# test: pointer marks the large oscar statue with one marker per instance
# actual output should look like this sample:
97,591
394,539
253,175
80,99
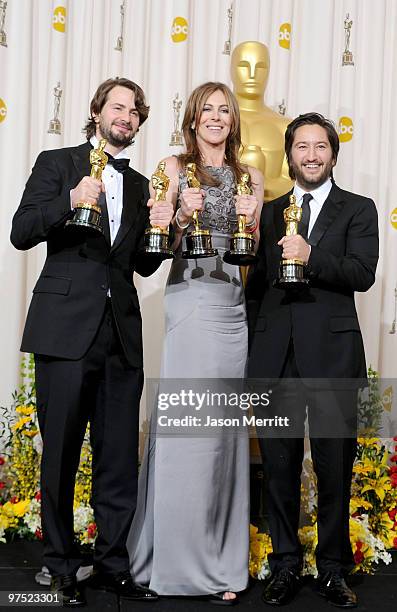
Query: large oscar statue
262,129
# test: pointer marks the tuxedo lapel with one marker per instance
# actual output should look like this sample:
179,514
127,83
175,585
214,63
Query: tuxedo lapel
81,159
329,211
132,196
279,222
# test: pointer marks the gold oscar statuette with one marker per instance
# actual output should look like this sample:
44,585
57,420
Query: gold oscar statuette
242,242
198,241
176,136
156,237
120,40
291,271
55,124
347,57
88,216
228,43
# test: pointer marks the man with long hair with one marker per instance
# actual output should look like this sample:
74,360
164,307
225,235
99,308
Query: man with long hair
84,328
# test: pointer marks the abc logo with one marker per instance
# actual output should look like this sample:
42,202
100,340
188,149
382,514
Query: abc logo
180,29
387,398
284,35
345,129
393,216
3,110
59,19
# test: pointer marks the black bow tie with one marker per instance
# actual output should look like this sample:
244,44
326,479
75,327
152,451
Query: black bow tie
120,165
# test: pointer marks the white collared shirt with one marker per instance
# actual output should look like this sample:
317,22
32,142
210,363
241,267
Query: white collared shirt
319,196
113,181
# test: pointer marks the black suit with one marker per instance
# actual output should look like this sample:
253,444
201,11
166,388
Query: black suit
88,352
312,335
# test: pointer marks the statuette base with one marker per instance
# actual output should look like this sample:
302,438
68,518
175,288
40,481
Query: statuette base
157,243
291,275
241,250
199,244
86,217
54,127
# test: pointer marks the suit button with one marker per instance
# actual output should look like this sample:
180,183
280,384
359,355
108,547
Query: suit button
104,287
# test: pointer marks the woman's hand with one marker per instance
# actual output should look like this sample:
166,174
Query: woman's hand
247,205
191,199
161,213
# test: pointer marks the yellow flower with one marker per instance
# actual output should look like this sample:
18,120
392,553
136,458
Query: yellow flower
20,424
369,442
24,409
4,522
31,433
21,507
358,502
379,486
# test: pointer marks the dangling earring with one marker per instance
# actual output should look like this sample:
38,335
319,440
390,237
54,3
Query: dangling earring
193,126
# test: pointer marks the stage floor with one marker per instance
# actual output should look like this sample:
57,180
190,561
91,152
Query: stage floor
20,560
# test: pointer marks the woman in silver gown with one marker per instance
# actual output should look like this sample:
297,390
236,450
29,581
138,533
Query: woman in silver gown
190,534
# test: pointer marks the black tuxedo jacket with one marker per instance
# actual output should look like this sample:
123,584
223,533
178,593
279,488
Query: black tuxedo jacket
322,321
70,295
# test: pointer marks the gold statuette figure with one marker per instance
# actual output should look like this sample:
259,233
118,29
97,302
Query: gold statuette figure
242,242
176,136
291,271
55,124
88,216
262,129
156,237
198,241
347,58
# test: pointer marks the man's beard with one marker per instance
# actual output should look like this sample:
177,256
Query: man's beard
116,140
312,182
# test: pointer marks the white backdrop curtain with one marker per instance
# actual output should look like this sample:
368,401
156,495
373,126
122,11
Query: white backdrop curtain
171,46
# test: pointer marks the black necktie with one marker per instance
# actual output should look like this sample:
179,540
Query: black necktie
120,165
304,222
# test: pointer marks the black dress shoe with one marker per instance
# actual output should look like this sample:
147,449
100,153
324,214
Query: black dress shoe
123,585
335,590
68,591
282,587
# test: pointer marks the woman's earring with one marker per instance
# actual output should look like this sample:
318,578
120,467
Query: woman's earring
193,126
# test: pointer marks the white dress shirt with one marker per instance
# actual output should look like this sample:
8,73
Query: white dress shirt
319,196
113,181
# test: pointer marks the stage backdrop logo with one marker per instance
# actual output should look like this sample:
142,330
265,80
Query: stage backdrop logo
3,110
59,19
393,216
284,35
180,29
345,129
387,398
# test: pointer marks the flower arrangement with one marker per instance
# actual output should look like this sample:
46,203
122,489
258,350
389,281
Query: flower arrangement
20,498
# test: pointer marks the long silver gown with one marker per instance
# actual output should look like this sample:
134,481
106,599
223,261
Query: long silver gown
190,534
